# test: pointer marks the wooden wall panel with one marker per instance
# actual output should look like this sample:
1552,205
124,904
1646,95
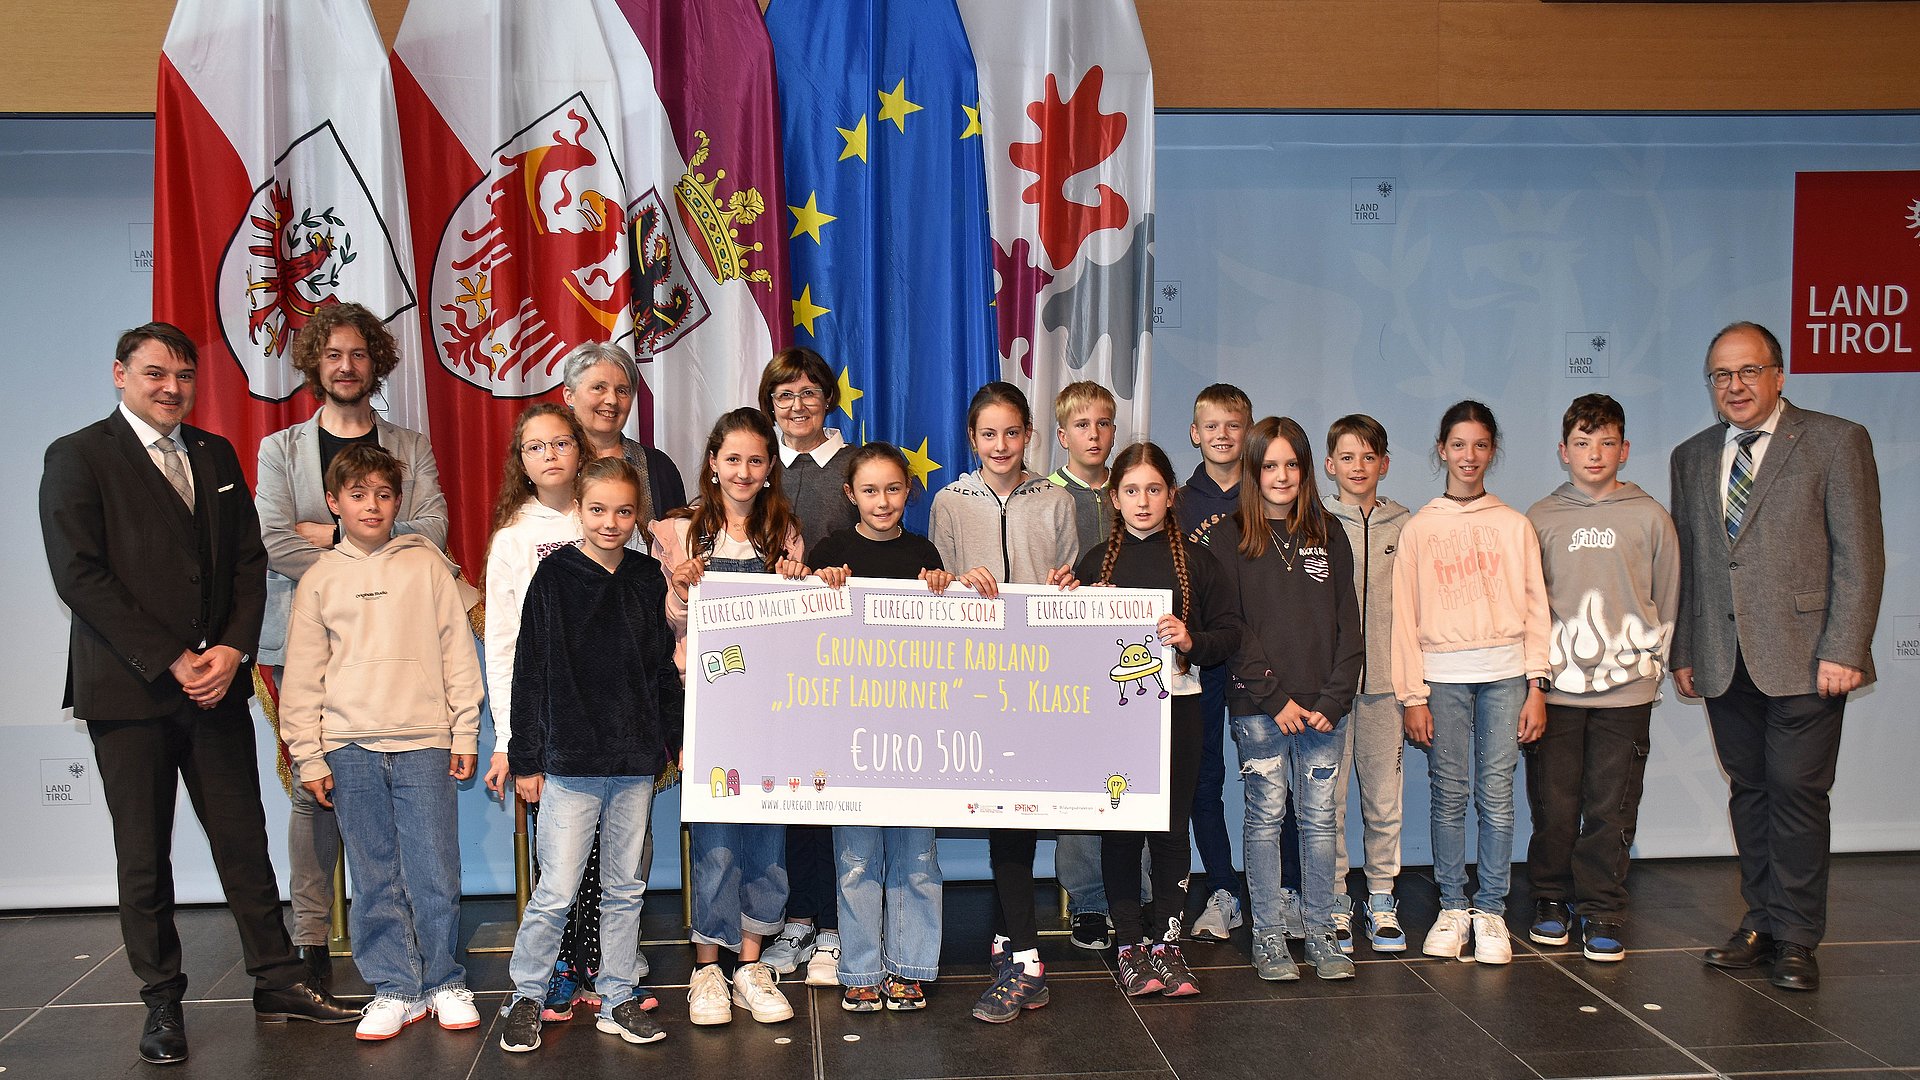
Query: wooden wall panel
100,56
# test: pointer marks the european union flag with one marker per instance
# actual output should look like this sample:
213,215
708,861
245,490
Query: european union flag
892,261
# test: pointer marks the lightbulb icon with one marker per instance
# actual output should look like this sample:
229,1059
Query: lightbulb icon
1116,787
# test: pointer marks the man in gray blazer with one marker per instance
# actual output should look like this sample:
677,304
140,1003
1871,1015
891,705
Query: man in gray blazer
345,354
1778,510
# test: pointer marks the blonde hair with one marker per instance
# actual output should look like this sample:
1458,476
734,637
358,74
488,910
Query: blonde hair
1079,395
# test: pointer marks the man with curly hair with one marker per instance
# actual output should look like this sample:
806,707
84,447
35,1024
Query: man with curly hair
346,354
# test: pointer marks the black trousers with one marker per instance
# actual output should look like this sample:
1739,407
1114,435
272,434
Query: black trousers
141,764
1585,776
811,877
1011,852
1780,755
1169,857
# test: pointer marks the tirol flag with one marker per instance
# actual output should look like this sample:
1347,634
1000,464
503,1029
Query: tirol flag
510,115
887,208
705,205
1067,103
278,191
1856,271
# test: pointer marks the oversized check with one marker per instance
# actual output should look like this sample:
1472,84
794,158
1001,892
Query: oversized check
884,704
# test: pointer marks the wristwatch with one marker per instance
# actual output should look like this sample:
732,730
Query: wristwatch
1542,684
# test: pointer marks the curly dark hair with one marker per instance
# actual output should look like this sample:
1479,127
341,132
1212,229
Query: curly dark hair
311,342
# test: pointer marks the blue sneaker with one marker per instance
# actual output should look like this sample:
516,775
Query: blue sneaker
561,990
1383,924
1600,940
1552,921
1018,990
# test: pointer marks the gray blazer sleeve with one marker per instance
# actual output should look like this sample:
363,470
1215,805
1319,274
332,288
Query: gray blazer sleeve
425,511
1858,565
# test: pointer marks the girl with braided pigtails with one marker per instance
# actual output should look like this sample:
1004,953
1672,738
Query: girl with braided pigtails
1143,552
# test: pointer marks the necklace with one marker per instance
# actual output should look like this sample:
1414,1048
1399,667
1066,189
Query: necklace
1287,555
1462,499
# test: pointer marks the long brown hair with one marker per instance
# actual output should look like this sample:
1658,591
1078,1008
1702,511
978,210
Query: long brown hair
1131,457
1307,521
770,522
515,486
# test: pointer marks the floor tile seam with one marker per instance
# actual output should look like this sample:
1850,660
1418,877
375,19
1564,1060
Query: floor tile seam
1883,1067
1203,999
1152,1040
1478,1026
1631,1015
819,1036
67,989
1752,986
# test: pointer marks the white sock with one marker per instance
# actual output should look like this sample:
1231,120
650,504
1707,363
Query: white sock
1000,943
1028,959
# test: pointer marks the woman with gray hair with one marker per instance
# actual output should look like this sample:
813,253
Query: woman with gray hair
601,378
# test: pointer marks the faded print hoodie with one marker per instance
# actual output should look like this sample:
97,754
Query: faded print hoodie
1467,595
1612,569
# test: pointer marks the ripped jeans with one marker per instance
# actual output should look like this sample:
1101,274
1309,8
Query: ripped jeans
890,903
1271,764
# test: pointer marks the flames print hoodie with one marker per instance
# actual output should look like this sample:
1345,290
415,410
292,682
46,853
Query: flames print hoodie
1613,579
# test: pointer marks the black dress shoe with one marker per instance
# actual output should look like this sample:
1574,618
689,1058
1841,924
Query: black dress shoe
164,1040
300,1002
1794,968
318,964
1743,950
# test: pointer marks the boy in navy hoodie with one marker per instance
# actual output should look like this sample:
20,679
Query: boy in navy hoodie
1612,563
1221,414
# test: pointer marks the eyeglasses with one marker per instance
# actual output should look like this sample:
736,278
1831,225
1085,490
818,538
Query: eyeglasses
561,447
809,397
1749,375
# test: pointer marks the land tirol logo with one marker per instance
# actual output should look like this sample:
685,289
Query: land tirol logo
535,259
1856,272
311,235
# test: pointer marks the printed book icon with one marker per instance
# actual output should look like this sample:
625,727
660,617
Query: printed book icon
723,662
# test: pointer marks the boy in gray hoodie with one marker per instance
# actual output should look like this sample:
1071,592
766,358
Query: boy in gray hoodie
1356,461
1612,563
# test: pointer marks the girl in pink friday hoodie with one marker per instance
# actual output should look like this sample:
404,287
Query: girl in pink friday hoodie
1470,632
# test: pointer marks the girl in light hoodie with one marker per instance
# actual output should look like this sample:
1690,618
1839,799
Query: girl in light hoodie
1470,632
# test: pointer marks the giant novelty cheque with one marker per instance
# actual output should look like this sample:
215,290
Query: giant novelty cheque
882,703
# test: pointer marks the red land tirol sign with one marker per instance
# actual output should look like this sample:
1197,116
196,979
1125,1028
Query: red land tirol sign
1856,272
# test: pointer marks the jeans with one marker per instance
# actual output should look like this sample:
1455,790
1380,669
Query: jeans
1371,758
1209,809
1076,865
739,881
398,822
1476,748
1584,779
1272,764
573,810
890,895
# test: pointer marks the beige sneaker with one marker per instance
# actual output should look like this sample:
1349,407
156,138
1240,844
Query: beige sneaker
823,968
1491,945
756,988
707,999
1450,935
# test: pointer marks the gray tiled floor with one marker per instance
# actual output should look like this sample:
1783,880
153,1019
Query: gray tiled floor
68,1007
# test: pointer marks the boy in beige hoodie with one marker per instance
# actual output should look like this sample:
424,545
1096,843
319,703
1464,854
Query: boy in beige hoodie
380,709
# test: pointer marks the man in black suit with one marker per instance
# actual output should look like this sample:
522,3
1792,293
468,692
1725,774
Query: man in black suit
155,547
1782,560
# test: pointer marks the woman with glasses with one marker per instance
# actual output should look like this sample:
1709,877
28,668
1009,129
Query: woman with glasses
600,380
797,392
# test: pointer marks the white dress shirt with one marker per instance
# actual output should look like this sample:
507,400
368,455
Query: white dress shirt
148,435
1731,448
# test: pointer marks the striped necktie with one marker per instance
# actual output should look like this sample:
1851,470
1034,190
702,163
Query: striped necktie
175,469
1740,483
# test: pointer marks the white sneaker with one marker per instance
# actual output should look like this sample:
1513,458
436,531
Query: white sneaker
1450,934
793,947
707,998
383,1017
823,969
454,1006
1343,923
1293,920
1491,944
1218,918
641,969
755,988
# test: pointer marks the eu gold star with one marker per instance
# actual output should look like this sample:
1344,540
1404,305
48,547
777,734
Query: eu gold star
808,219
849,395
856,138
805,311
920,464
973,121
895,106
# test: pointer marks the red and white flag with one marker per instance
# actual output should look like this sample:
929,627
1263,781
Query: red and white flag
510,116
278,190
702,130
1066,101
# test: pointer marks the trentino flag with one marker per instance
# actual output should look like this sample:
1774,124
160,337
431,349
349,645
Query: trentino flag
1067,102
278,191
701,125
510,113
886,198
